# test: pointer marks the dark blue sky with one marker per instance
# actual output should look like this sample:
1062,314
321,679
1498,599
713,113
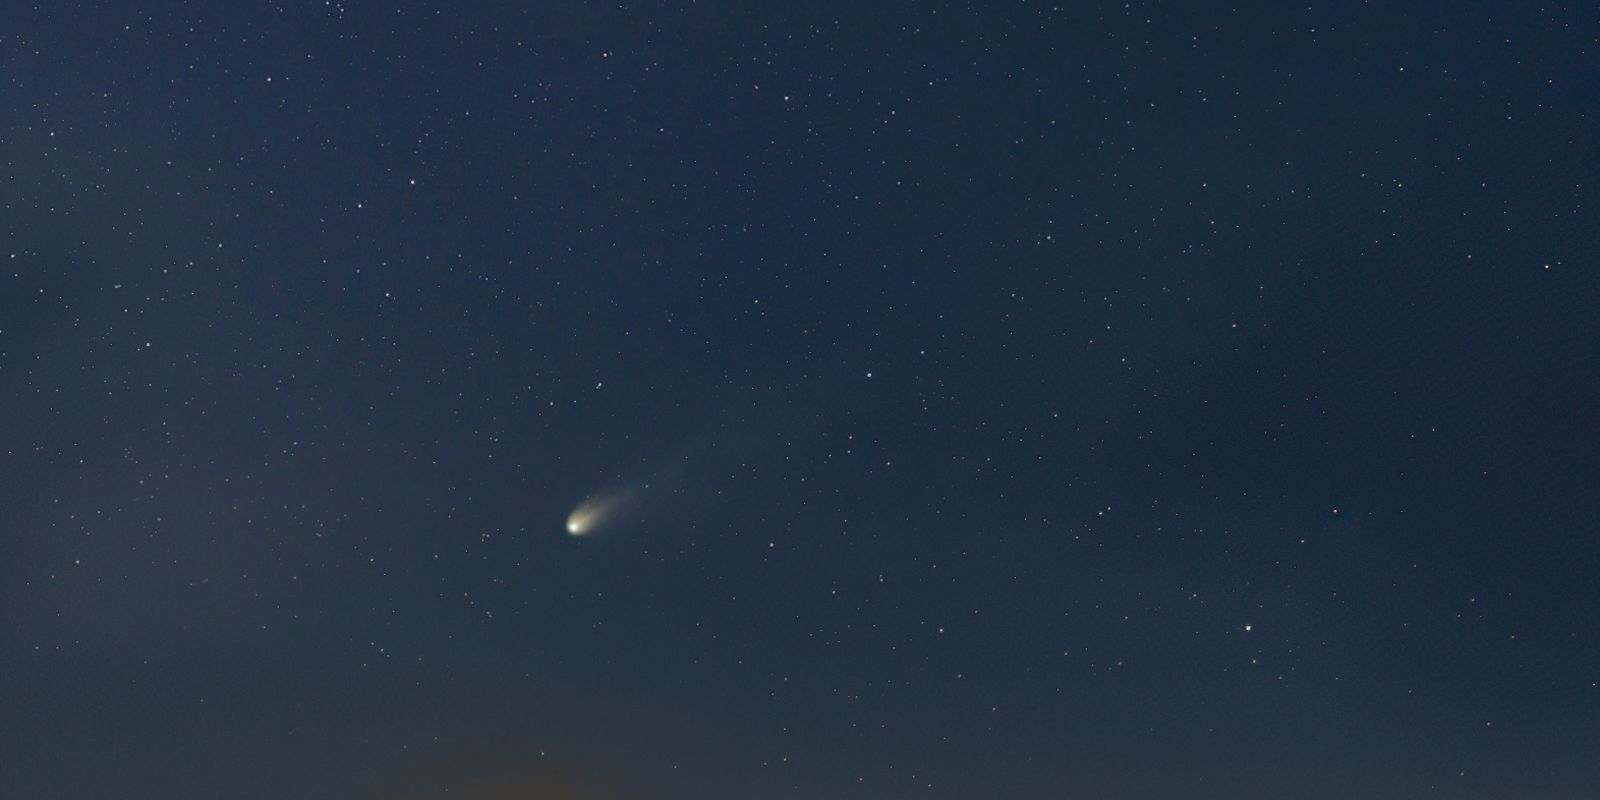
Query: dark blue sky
983,400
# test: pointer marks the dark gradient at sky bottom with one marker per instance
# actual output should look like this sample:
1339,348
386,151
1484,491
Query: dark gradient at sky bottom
1013,399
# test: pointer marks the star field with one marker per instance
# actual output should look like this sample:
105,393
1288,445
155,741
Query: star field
874,400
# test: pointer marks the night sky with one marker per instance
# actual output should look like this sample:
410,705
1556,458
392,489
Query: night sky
799,400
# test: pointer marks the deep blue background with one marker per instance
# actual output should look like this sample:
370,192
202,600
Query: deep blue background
1017,400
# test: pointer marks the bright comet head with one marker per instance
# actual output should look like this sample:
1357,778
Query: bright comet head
579,522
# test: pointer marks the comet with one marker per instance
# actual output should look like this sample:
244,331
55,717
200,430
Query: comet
592,513
657,490
580,521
